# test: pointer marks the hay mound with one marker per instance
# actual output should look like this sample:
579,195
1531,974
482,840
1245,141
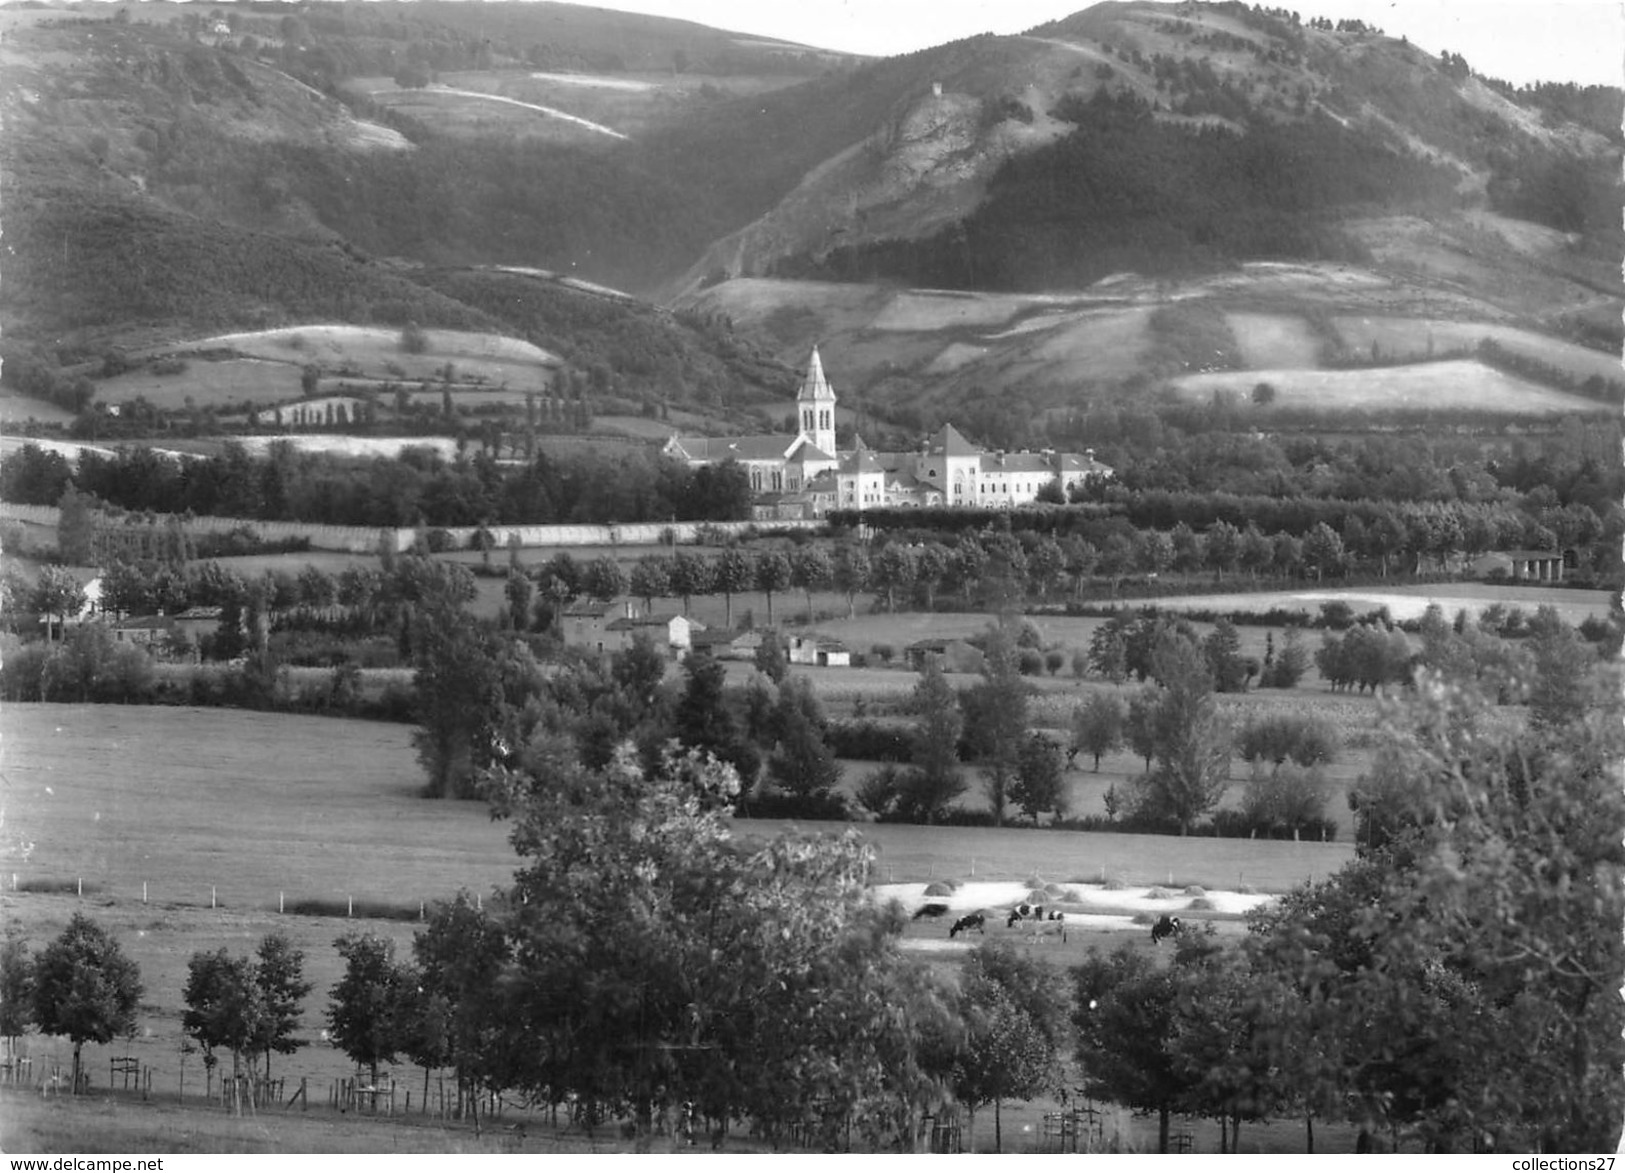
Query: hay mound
1196,890
940,888
1159,893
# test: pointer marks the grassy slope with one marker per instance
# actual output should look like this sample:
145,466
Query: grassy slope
1451,386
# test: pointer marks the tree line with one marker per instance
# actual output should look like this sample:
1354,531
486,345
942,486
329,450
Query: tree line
587,484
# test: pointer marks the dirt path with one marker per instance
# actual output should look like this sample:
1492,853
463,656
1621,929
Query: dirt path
594,126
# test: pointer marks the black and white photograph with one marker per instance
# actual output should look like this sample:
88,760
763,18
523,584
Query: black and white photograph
688,577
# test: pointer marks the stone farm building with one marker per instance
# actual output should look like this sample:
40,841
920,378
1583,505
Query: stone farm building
612,627
804,475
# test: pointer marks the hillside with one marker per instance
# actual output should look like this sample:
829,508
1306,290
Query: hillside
159,189
171,175
1177,137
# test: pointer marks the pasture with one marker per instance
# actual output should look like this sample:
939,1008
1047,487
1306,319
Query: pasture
1274,340
1416,338
1462,385
237,808
629,103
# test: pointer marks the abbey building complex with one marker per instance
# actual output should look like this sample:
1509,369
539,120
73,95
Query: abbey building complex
805,475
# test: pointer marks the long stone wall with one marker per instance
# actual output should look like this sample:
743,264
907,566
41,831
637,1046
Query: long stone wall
364,540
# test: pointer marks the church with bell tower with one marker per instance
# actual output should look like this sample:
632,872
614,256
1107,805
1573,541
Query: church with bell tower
816,404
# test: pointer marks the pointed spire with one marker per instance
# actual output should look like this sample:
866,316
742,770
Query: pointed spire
815,385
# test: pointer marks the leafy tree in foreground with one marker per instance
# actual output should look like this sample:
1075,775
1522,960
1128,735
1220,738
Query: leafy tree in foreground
85,988
364,1012
1015,1009
279,979
1124,1014
1469,962
223,1007
655,961
462,956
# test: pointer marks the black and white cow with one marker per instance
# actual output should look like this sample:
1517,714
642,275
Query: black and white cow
1024,911
1166,926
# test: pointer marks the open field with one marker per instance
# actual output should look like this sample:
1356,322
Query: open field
1455,385
1418,337
1409,601
628,103
1274,340
243,806
218,383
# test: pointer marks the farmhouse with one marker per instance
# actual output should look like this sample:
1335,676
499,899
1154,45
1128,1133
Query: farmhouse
672,633
148,631
950,655
727,645
805,475
819,651
603,627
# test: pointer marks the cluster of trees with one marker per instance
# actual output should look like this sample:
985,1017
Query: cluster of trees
581,484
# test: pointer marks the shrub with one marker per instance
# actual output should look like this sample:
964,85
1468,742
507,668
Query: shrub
877,792
169,365
373,909
1286,800
1306,739
777,804
885,653
1337,615
22,672
1032,662
413,339
870,741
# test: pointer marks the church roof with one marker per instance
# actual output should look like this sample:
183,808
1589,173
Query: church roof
806,451
949,442
1016,462
720,448
860,460
815,386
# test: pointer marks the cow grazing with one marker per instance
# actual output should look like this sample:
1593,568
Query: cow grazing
966,923
1024,912
1055,928
933,911
1166,926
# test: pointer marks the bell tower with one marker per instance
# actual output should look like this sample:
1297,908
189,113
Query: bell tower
815,406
